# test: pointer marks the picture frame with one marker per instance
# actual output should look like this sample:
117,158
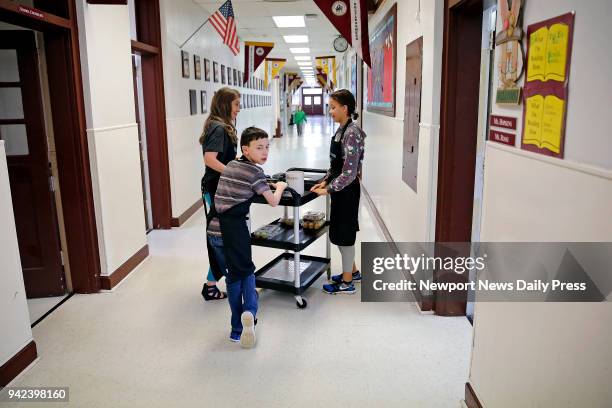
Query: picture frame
381,77
215,71
206,69
229,76
185,63
235,75
197,67
193,102
223,74
204,102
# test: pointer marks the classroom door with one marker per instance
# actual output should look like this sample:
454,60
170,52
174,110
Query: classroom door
312,101
23,130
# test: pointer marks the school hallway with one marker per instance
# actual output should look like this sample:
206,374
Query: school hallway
159,344
475,131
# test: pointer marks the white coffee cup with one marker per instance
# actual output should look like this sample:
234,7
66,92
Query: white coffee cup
295,180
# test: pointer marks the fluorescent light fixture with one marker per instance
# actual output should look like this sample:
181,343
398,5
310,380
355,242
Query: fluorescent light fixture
289,21
303,50
303,58
304,63
295,39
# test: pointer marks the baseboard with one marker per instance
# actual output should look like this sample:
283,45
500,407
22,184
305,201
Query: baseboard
18,363
424,303
471,400
177,222
112,280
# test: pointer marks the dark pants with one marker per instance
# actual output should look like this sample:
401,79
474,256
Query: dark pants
242,297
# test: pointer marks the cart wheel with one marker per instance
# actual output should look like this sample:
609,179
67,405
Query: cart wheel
301,305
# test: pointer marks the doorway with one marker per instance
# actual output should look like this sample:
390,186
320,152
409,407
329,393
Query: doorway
458,137
30,167
312,101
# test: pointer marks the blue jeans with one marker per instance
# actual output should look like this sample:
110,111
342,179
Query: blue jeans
242,297
217,244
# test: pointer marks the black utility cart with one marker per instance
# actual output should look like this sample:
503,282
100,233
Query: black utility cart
280,273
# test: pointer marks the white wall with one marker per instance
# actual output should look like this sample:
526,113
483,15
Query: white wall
104,38
552,354
180,18
14,316
409,216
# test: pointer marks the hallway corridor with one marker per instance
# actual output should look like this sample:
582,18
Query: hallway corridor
154,342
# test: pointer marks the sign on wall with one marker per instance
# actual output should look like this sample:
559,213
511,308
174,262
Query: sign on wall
509,53
381,75
548,63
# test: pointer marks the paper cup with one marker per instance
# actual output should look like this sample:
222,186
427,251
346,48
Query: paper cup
295,180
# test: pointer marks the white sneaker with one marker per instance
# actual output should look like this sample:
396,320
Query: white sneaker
247,338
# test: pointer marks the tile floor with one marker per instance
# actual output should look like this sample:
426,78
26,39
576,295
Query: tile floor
154,342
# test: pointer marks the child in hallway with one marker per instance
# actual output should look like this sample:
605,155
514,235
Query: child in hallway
239,183
299,118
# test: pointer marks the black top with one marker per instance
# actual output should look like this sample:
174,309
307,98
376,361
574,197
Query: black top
216,140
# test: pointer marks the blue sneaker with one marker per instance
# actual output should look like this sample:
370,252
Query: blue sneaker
340,288
338,278
234,336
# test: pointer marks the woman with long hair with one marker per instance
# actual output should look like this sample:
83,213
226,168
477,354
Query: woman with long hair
219,140
342,183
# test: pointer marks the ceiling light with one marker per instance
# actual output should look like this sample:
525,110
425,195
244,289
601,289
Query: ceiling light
303,58
295,39
303,50
289,21
304,63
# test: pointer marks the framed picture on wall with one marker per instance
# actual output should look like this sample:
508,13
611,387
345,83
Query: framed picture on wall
381,76
206,70
204,101
215,71
235,75
222,74
185,64
230,78
197,67
193,102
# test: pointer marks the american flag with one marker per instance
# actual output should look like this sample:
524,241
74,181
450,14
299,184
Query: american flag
224,23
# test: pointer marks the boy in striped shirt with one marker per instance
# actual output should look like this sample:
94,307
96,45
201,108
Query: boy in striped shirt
241,180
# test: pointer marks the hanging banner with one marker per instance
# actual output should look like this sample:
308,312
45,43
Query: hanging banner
273,67
254,55
328,64
322,78
350,17
291,80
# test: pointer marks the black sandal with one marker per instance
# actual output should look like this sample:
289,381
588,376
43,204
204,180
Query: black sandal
212,293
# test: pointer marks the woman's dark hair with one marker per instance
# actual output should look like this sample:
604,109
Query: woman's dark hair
221,111
250,134
345,97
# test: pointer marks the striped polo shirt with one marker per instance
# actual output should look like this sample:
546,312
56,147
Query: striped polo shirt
240,181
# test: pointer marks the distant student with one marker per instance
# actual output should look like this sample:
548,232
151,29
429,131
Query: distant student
299,118
239,183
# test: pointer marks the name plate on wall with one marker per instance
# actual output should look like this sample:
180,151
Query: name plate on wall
505,122
502,137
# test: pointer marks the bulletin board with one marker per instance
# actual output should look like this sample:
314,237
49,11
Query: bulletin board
549,50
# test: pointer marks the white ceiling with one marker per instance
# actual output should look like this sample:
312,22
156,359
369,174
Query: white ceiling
254,22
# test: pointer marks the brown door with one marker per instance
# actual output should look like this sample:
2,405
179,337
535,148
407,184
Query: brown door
412,112
312,101
23,131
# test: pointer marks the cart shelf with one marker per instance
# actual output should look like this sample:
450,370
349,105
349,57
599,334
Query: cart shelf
285,239
279,273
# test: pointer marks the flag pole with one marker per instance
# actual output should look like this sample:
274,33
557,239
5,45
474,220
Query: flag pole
195,32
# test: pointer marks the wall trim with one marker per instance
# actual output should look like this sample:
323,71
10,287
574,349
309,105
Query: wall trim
112,280
181,219
424,303
111,128
471,400
582,168
16,364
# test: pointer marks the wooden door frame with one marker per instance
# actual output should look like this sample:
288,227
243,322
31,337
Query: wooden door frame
148,45
449,135
69,126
